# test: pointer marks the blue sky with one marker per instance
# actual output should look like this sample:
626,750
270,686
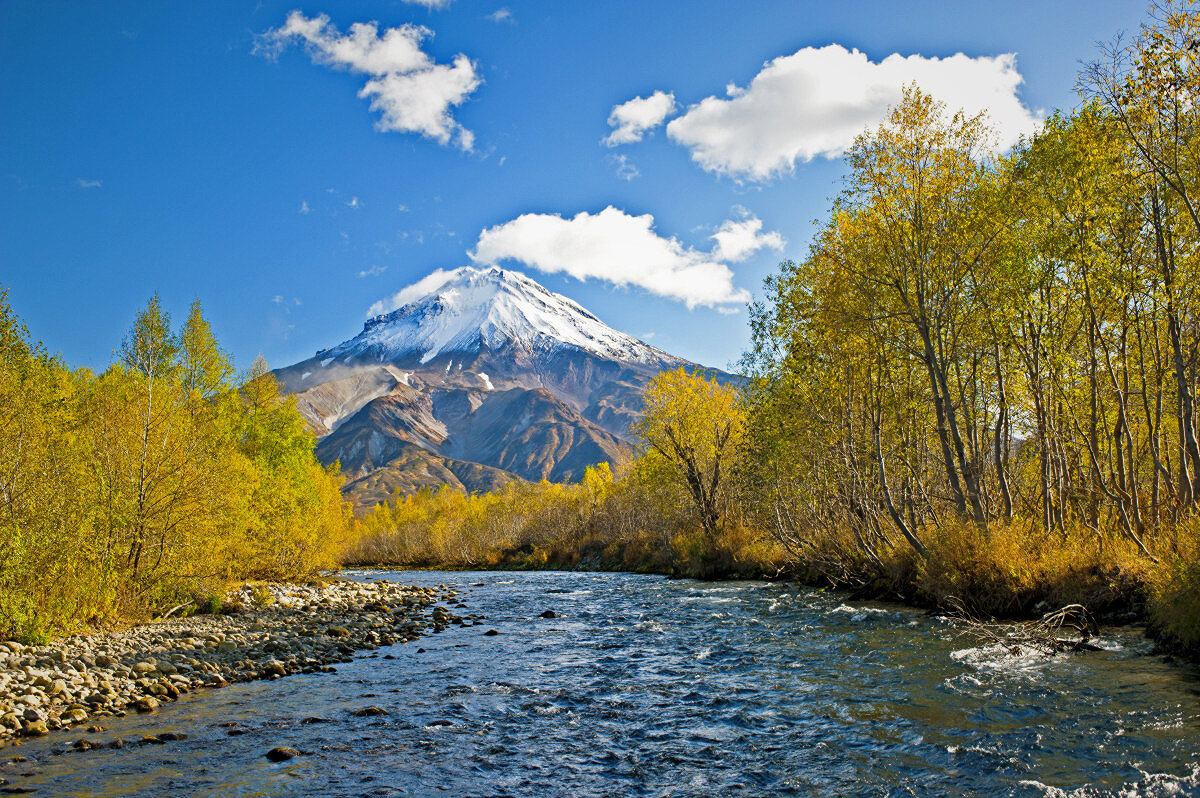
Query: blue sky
229,151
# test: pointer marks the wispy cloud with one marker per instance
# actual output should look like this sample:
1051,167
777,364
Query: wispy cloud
374,271
304,207
426,285
816,101
627,251
354,203
411,92
502,15
84,183
625,168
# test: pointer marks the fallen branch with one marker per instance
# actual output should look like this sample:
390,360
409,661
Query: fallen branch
1070,628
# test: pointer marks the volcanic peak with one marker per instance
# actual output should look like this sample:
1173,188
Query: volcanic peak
474,309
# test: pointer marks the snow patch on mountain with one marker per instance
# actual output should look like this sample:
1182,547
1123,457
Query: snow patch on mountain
476,309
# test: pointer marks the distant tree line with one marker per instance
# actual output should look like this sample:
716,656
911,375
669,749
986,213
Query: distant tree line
672,510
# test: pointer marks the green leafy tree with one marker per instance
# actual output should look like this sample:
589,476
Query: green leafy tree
205,368
150,348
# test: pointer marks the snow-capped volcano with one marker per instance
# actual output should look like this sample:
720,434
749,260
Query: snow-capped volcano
493,309
481,377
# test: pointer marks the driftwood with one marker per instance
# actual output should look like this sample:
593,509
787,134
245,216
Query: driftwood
1070,628
176,609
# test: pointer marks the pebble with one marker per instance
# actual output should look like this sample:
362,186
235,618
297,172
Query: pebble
296,629
282,754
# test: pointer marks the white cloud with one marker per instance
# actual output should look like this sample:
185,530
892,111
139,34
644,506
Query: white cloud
431,4
411,92
634,118
623,250
502,15
304,207
426,285
817,100
374,271
354,203
82,183
738,240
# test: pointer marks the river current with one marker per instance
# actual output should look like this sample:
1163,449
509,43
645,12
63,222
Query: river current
645,686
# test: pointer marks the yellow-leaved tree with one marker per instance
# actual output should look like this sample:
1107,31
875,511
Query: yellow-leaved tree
298,519
693,427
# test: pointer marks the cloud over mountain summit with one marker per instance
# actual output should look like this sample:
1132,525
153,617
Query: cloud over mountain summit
625,250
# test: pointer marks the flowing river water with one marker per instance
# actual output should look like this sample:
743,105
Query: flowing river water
647,686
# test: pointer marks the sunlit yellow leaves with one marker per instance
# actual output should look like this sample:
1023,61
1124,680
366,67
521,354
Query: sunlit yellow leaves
152,481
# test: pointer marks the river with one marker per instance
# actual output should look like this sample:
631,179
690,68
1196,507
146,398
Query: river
645,686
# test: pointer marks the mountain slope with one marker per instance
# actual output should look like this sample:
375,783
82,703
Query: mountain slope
486,378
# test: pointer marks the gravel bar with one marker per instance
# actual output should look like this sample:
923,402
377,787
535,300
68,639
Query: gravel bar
274,630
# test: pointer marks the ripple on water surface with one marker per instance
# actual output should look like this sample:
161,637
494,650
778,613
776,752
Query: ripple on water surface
647,686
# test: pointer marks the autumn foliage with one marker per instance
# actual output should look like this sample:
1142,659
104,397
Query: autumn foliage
150,484
982,379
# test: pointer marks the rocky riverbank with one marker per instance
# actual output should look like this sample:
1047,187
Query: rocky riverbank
266,632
